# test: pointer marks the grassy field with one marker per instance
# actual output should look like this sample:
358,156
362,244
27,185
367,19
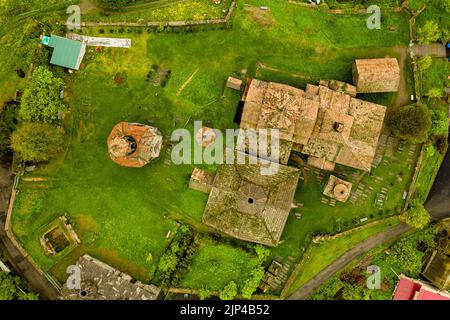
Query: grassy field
323,254
436,76
162,10
123,215
216,264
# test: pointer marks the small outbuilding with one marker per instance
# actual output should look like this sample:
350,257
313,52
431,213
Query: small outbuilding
234,83
376,75
338,189
67,53
201,180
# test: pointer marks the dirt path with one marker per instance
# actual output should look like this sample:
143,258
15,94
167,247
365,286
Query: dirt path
368,244
434,49
187,82
402,97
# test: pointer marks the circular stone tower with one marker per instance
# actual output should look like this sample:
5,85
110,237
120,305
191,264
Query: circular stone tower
134,145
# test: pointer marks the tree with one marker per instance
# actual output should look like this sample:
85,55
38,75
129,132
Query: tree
424,63
37,142
229,292
406,257
445,4
252,283
262,253
429,33
40,101
417,216
411,122
10,288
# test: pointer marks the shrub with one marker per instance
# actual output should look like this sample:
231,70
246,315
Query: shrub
252,283
429,33
40,101
229,292
177,258
204,293
7,126
439,121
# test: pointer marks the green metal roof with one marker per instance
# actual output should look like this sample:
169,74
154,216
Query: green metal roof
67,53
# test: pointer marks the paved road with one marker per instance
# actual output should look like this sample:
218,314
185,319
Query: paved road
438,203
35,280
374,241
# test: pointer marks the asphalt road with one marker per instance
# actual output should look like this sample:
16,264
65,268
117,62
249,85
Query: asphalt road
374,241
438,203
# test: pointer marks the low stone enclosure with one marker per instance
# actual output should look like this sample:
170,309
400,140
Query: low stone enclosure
59,236
166,24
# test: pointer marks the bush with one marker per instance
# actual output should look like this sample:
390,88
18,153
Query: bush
8,122
424,63
229,292
252,283
177,258
204,293
429,33
439,121
37,142
113,4
40,100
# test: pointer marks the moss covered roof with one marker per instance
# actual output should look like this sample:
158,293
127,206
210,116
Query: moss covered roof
250,206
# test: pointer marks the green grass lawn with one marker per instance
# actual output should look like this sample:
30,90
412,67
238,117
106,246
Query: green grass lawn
122,215
216,264
436,76
321,255
163,10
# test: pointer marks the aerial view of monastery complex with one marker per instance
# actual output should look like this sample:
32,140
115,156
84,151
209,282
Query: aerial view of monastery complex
224,150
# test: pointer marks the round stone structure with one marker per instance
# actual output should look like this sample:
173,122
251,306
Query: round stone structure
134,144
341,192
338,189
